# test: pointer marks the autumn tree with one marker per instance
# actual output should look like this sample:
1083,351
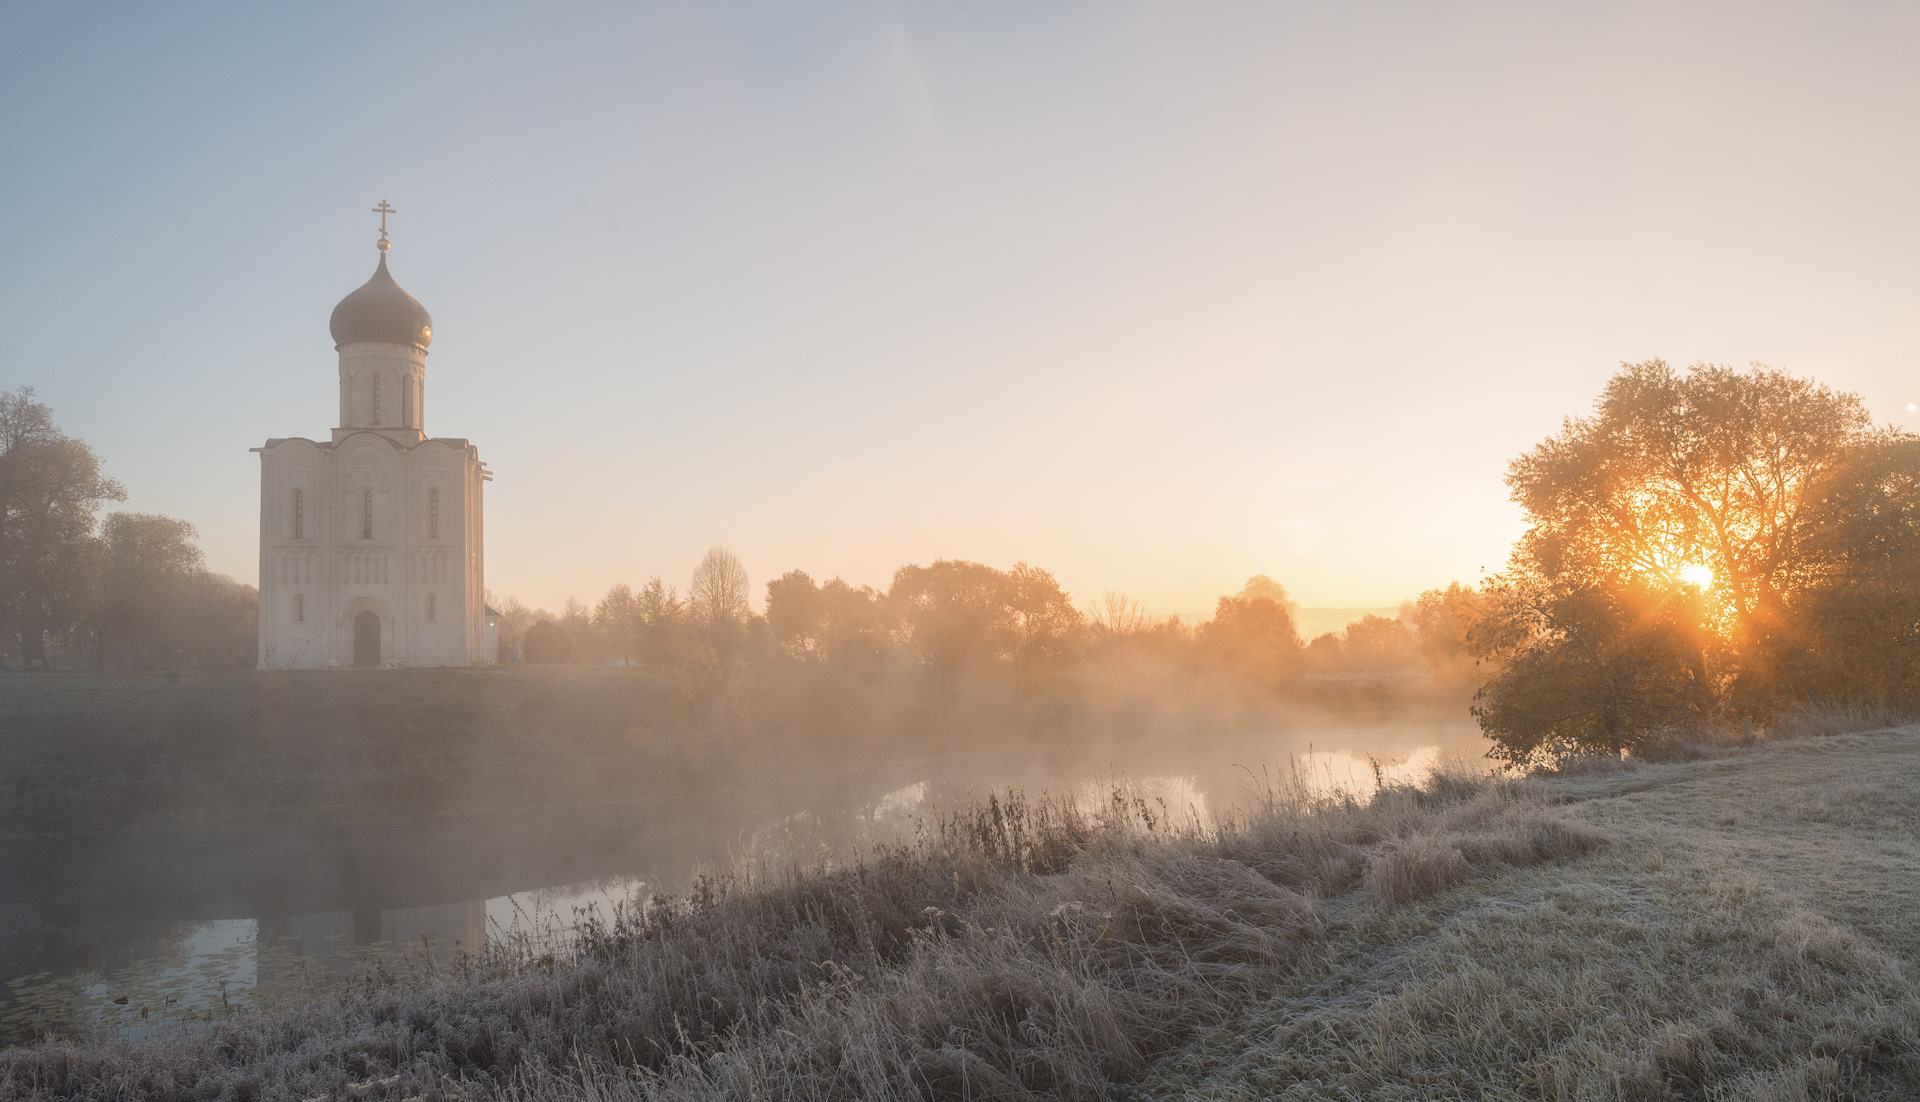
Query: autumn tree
50,488
956,614
1252,638
1670,538
1442,622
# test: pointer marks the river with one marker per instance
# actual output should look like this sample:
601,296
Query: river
130,935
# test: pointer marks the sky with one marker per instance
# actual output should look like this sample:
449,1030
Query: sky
1153,296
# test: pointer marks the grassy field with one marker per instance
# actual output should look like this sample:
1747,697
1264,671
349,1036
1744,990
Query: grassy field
1748,933
1736,926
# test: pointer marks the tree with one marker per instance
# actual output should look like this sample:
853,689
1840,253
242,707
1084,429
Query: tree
151,564
1671,537
512,625
794,613
1046,626
717,600
50,488
1853,632
1262,586
1376,643
617,623
1698,479
220,629
837,624
1442,620
1253,640
663,624
547,644
958,614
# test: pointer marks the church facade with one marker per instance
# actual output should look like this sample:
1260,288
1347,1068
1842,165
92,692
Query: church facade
371,542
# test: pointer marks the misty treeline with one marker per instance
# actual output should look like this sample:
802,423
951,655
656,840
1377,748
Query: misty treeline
1709,549
128,592
955,622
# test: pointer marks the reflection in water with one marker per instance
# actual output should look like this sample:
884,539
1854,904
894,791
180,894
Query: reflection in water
135,979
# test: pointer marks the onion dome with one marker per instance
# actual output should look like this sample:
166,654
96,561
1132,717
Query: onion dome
380,311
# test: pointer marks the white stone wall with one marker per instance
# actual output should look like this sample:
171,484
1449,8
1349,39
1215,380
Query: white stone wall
382,519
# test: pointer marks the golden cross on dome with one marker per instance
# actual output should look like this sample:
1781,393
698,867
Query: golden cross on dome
383,210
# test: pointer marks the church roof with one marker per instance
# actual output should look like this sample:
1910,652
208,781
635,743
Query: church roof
380,311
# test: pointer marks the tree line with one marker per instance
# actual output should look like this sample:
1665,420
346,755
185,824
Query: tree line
130,591
952,620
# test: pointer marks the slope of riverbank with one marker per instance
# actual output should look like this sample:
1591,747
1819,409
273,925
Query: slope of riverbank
1735,926
1749,932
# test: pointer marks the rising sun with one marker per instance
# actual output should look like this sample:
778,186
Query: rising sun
1699,575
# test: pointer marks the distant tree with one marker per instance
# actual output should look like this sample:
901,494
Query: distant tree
663,624
1442,619
836,623
617,623
1376,644
584,642
152,565
221,626
1262,586
1253,640
794,613
717,600
1046,626
957,614
1324,654
50,488
547,644
1117,616
515,618
852,628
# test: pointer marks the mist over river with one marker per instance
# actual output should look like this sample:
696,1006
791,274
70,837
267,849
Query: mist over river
139,932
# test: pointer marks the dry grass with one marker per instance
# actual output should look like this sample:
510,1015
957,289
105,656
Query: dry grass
1016,950
1733,927
1745,935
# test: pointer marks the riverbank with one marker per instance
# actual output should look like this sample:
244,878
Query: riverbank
1733,926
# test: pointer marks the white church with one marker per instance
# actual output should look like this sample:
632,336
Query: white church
371,542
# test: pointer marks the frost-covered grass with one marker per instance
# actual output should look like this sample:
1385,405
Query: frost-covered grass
1015,949
1737,925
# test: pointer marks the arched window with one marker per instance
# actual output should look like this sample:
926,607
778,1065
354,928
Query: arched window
366,513
433,514
299,608
433,607
299,514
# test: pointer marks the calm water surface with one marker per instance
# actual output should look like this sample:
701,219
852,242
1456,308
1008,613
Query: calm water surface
133,935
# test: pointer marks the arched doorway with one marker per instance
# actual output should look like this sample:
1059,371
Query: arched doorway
366,639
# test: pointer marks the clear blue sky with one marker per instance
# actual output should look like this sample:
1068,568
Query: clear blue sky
1155,296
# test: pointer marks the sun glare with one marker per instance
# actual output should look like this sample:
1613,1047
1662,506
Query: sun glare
1701,576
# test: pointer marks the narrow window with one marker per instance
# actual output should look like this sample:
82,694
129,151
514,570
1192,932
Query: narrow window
366,513
433,514
299,608
376,399
432,607
299,514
